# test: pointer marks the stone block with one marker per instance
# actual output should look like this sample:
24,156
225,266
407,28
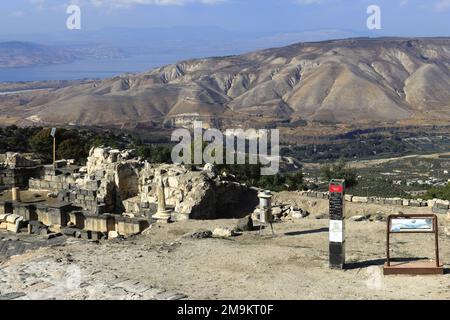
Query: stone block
414,203
431,203
85,234
69,232
360,199
223,233
348,197
442,204
12,218
98,235
77,218
100,223
52,235
113,234
15,226
130,226
438,210
36,227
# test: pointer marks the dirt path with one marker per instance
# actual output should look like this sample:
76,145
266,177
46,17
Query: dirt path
291,265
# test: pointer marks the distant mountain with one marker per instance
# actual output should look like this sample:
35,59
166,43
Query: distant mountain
198,40
23,54
341,81
15,54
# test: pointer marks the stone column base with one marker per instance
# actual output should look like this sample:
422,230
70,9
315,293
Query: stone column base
163,216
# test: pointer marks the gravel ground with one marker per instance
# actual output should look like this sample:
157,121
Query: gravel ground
165,264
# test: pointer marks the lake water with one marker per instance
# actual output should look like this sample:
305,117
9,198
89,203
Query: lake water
91,69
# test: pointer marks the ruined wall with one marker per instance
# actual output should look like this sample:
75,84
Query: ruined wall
437,205
118,182
191,194
18,177
16,170
187,192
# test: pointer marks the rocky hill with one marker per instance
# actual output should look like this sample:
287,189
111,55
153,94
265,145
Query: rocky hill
22,54
17,54
341,81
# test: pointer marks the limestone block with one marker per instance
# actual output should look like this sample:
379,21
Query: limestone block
223,233
14,227
431,203
77,219
99,223
113,234
130,226
173,182
12,218
414,203
360,199
442,204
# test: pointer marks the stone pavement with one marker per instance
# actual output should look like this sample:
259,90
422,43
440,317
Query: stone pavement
31,277
13,245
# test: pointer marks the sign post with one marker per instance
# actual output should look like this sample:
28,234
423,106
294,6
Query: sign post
53,134
412,223
337,225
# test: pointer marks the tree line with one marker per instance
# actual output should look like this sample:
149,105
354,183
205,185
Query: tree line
76,143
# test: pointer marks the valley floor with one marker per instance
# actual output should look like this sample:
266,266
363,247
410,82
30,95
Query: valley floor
165,264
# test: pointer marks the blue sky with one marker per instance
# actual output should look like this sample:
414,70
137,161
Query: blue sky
399,17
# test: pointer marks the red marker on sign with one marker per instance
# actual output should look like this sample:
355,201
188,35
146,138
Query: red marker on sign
336,188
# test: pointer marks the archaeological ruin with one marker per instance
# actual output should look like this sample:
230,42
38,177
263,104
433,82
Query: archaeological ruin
115,194
118,194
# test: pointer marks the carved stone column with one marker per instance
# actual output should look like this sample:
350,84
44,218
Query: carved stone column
163,213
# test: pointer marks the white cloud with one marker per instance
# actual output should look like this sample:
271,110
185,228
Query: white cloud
129,3
442,5
306,2
18,14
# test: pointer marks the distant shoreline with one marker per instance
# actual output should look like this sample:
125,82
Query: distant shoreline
4,93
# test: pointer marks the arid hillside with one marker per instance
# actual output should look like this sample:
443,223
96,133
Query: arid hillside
385,80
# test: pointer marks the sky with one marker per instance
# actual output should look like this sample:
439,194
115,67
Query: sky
398,17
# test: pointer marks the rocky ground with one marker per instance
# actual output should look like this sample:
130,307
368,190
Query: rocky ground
166,263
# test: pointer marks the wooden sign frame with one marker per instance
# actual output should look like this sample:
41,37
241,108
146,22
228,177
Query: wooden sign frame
415,267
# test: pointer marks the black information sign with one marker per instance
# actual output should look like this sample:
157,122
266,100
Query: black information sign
337,226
